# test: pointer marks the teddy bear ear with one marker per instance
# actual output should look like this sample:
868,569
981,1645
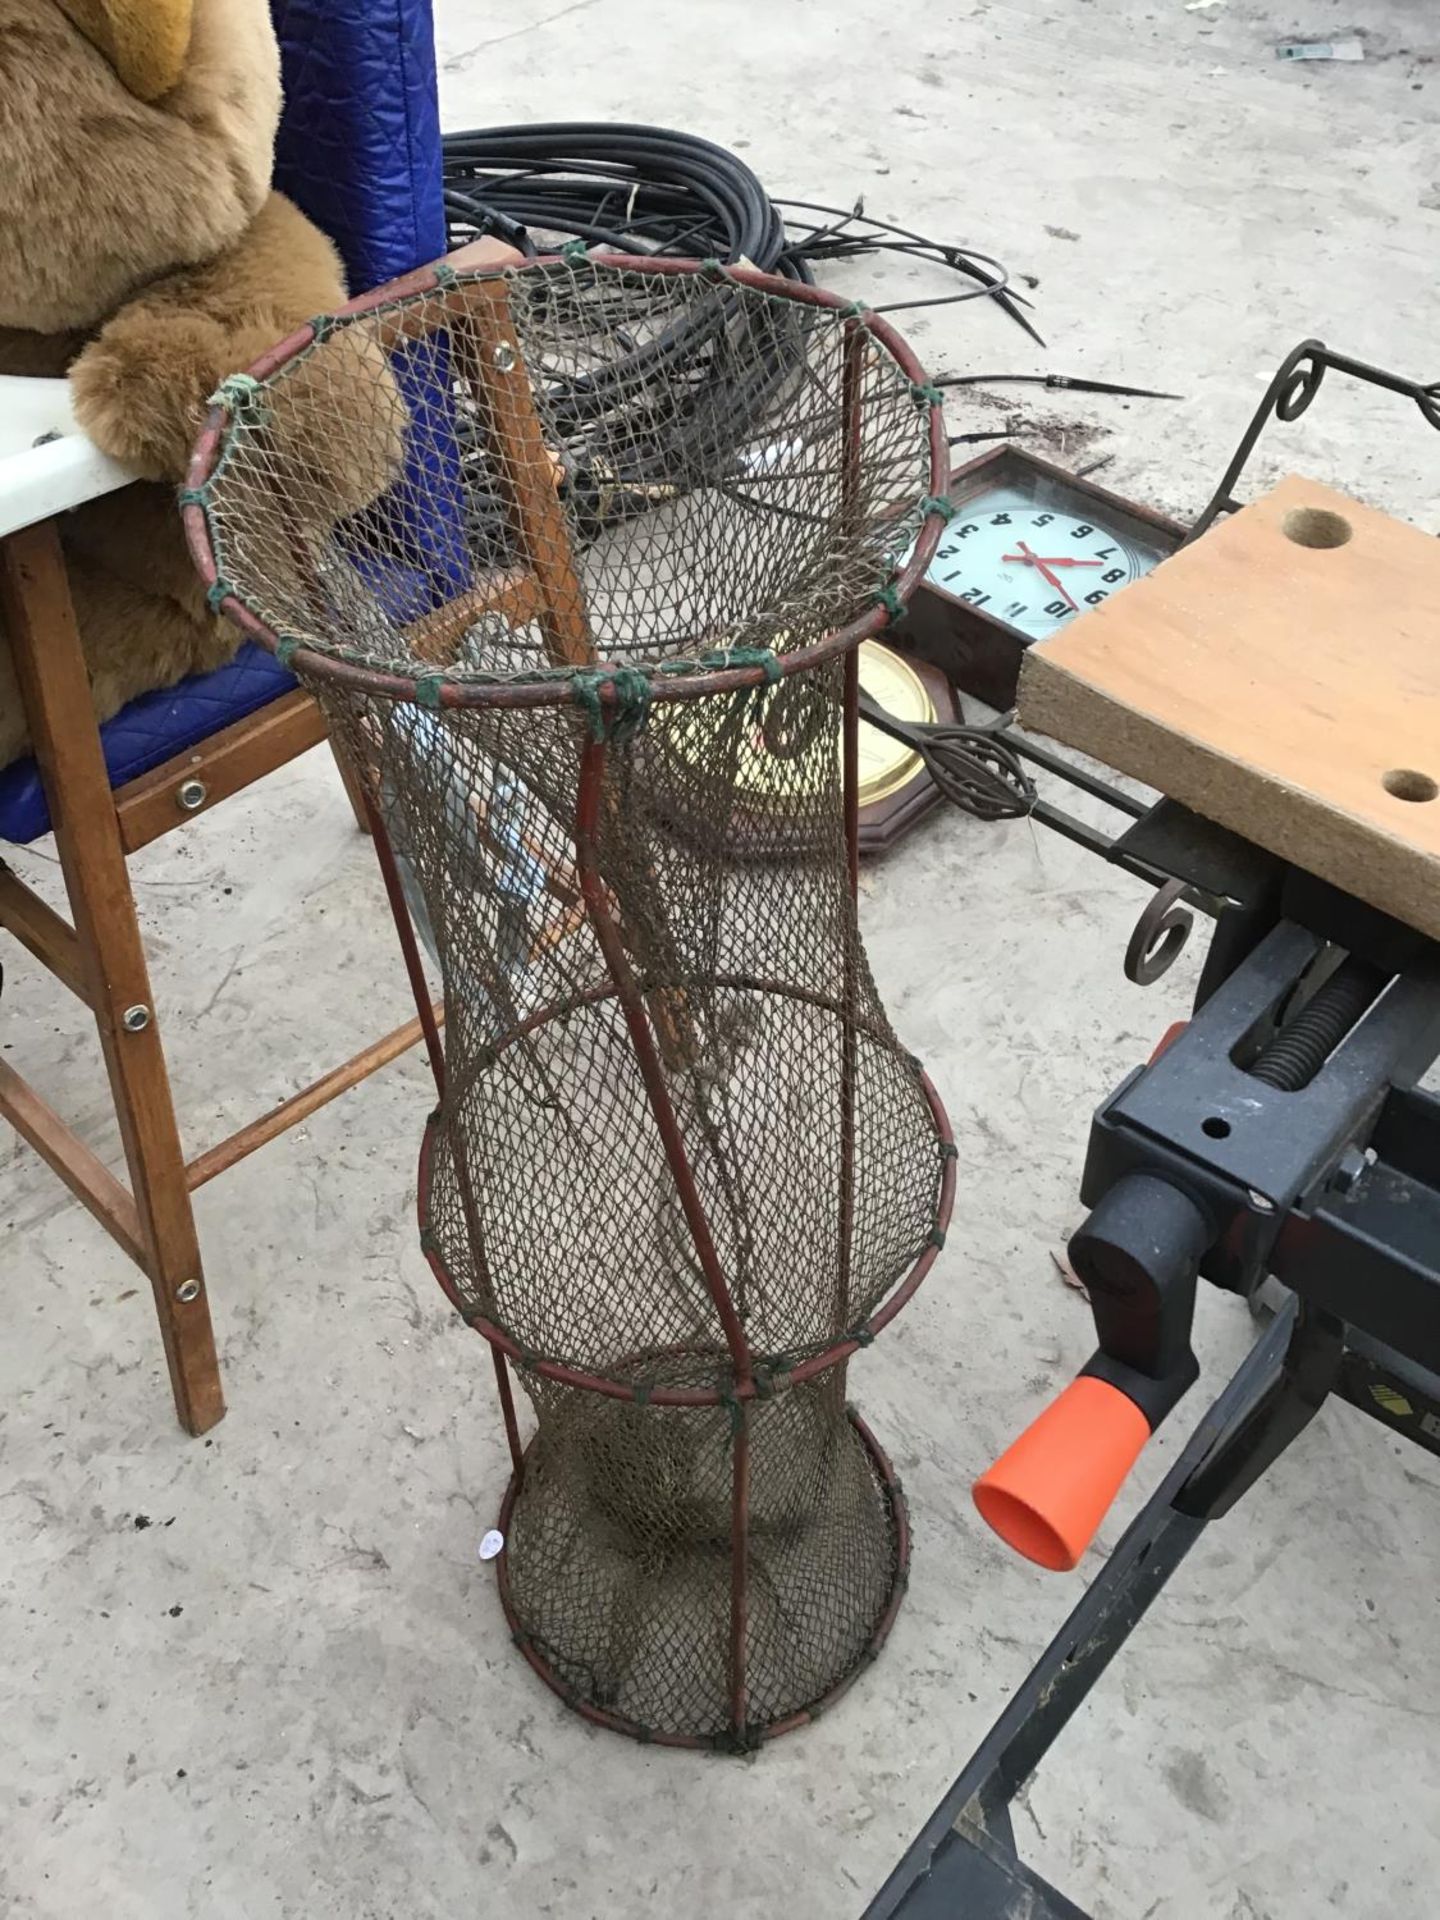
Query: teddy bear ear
146,41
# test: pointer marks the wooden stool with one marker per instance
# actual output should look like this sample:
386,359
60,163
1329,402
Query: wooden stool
100,958
1281,677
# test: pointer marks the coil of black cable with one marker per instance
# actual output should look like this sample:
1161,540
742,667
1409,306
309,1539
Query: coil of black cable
631,189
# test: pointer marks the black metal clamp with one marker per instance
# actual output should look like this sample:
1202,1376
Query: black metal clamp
1282,1132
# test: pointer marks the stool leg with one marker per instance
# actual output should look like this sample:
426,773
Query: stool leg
50,669
350,780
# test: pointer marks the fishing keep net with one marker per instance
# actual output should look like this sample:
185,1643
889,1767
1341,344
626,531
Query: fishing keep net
592,665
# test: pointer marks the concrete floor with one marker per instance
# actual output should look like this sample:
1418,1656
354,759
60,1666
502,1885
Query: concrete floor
263,1675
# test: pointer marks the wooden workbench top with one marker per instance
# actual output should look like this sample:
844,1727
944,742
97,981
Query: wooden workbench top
1282,677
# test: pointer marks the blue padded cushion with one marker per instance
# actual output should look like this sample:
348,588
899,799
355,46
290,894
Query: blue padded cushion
359,151
150,729
359,146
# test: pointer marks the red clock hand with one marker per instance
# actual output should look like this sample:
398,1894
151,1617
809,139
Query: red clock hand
1051,560
1046,575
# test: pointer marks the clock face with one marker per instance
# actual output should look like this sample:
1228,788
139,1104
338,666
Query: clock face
1030,565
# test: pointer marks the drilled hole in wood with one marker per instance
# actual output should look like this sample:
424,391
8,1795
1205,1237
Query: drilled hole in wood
1316,527
1405,783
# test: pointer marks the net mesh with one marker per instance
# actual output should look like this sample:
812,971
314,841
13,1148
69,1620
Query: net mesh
702,498
621,1562
679,1150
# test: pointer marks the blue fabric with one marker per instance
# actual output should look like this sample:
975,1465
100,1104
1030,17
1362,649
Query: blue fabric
359,151
150,729
359,147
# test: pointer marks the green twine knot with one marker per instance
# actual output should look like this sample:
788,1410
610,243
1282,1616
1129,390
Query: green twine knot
925,394
632,702
446,276
890,600
428,1241
765,658
217,594
737,1415
629,697
711,269
585,692
862,1336
855,310
243,398
935,1237
642,1391
286,648
949,1150
427,689
576,252
322,326
195,496
937,503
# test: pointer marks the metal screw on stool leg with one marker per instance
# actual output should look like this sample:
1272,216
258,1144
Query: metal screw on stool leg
190,796
504,357
187,1291
135,1019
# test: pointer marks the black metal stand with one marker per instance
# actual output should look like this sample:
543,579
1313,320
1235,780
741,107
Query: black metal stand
1287,1117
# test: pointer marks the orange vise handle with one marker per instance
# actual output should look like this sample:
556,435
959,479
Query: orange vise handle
1138,1255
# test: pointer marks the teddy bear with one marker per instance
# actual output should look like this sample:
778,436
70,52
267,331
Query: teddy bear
144,255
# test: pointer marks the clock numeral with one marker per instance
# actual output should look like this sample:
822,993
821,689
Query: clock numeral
1115,573
1094,599
1042,519
1080,529
1105,553
945,553
1000,520
1014,613
975,596
1057,608
970,527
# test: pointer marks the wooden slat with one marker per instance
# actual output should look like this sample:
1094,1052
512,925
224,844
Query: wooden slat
50,668
414,319
225,1153
89,1179
1288,690
488,354
39,928
225,764
514,595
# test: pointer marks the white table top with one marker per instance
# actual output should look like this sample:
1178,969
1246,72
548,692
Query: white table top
63,470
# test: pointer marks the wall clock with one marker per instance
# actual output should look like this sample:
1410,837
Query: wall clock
1029,549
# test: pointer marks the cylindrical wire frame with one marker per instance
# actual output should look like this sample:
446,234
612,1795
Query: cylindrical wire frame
748,1386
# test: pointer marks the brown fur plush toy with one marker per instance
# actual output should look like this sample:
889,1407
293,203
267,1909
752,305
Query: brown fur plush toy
143,253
